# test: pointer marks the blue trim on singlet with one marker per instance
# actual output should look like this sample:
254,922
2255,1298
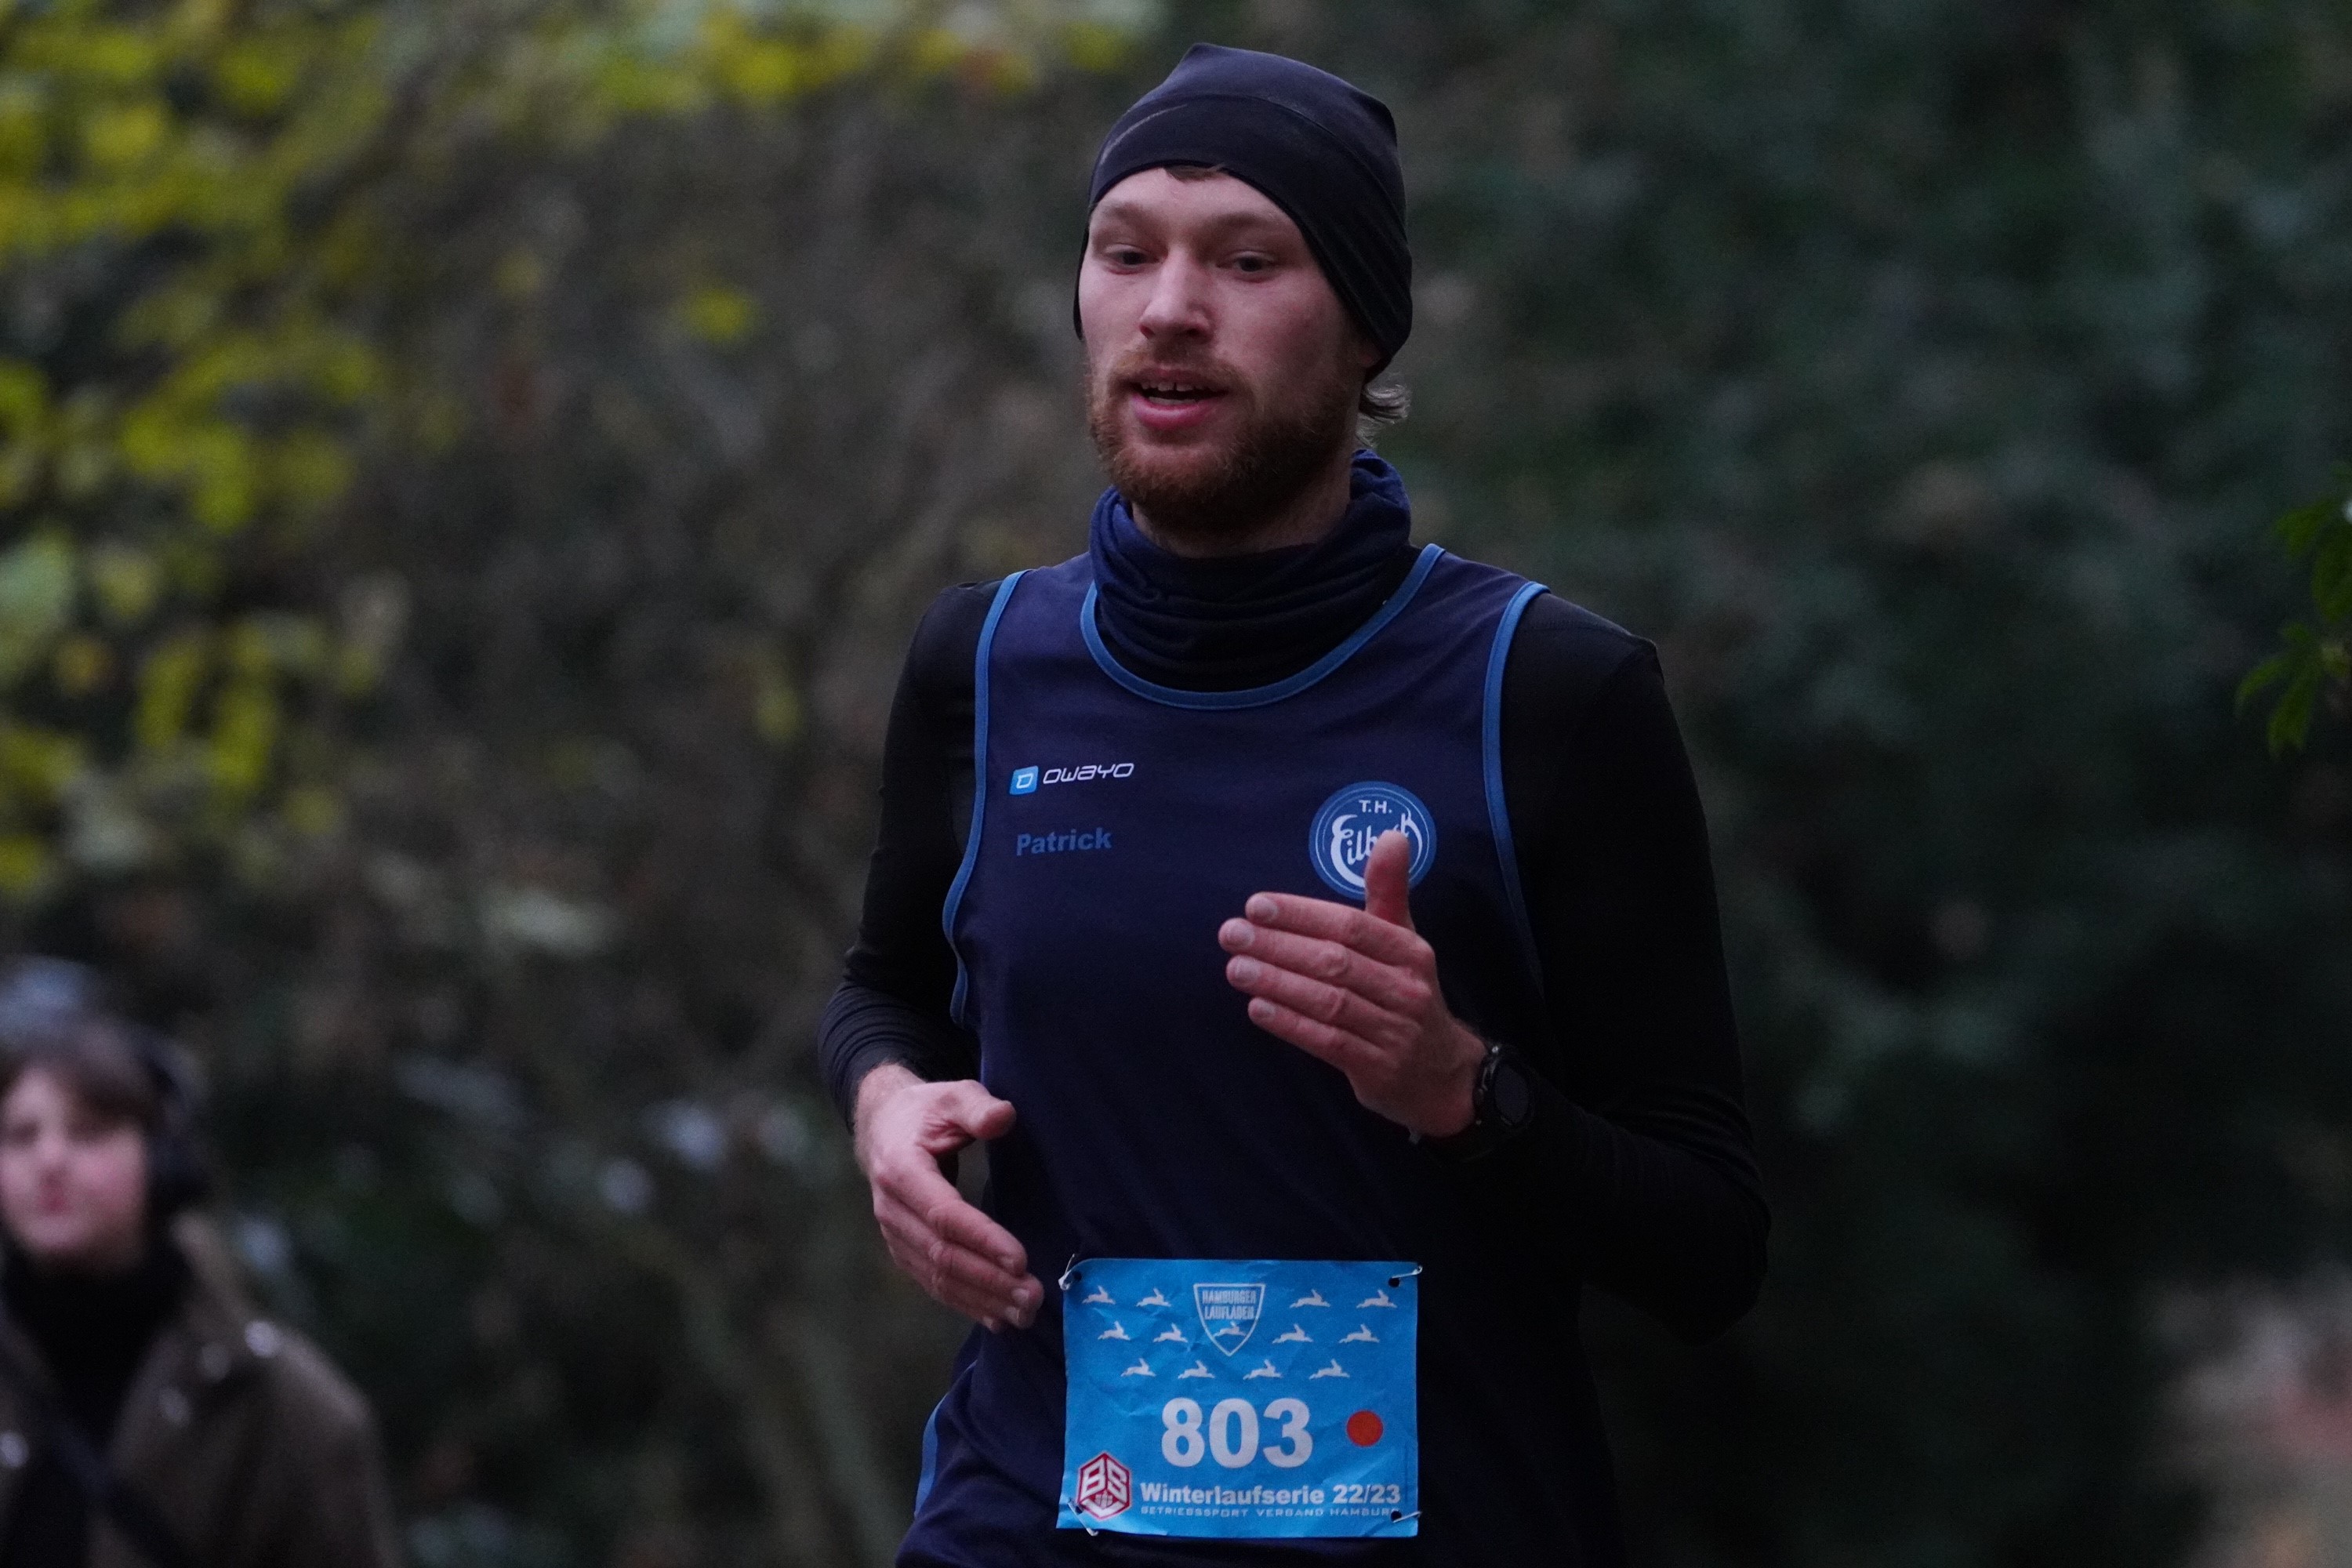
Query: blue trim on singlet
1498,808
931,1471
979,788
1259,696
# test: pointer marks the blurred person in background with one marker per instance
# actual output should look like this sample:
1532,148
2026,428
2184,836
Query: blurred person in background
148,1415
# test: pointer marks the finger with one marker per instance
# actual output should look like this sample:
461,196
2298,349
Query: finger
992,1311
1322,1041
1388,879
1390,985
1383,940
968,1280
922,1191
912,1231
974,1112
1319,1000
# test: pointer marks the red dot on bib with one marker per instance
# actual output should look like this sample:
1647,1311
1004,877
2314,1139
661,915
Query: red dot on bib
1363,1428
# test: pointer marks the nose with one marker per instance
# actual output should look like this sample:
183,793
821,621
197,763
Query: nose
1178,307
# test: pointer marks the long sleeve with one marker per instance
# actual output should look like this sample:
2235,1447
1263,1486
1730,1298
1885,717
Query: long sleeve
1640,1131
892,1003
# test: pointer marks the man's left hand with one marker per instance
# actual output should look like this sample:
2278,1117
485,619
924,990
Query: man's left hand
1358,989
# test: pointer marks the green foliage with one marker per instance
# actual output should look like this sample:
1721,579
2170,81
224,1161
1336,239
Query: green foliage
200,228
427,526
1908,371
469,475
181,384
2318,653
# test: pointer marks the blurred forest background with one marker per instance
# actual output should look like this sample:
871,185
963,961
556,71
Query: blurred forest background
467,470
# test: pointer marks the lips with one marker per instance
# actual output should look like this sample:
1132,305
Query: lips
1172,404
1173,391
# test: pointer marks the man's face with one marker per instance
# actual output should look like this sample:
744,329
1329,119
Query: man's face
1222,371
73,1186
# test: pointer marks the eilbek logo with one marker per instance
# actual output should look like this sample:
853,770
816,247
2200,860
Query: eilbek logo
1228,1313
1352,821
1028,781
1105,1486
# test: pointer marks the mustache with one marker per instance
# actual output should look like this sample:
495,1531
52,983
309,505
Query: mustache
1143,365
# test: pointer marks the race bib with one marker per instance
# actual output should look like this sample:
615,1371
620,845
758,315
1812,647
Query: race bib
1240,1399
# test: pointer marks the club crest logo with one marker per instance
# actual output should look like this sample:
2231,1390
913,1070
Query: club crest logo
1228,1313
1352,820
1105,1486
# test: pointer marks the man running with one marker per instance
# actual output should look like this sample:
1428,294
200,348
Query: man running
1319,930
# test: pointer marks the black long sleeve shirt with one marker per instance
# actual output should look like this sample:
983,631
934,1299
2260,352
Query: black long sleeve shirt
1639,1132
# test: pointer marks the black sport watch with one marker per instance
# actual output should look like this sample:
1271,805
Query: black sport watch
1502,1102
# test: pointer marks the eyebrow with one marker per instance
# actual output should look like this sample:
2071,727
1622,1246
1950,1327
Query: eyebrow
1271,223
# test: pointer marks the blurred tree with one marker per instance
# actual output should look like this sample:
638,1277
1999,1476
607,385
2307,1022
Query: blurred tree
177,390
1908,371
468,471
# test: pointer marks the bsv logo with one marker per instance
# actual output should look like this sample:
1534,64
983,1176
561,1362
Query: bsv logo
1106,1486
1352,820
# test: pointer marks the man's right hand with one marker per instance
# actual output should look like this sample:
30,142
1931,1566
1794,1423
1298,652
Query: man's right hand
905,1129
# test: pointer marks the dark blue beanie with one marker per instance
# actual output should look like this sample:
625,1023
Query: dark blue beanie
1322,151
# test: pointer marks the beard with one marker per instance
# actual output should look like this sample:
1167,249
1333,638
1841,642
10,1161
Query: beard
1205,497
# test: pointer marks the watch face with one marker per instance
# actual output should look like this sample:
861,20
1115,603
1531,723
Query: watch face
1514,1097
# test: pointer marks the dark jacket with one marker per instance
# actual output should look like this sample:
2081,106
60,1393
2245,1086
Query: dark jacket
248,1442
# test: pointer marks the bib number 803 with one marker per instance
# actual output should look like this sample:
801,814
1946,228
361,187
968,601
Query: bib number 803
1229,1432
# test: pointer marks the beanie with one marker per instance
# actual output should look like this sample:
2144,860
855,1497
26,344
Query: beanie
1323,151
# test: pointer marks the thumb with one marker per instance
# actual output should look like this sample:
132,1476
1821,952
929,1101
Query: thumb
1388,879
978,1113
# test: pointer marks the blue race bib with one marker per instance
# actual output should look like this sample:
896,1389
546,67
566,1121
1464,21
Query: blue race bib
1240,1399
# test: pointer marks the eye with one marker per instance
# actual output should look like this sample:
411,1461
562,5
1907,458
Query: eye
1250,264
1123,256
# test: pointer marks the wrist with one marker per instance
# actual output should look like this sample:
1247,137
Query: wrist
1459,1106
880,1083
1502,1104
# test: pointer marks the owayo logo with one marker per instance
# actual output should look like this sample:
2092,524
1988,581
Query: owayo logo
1352,821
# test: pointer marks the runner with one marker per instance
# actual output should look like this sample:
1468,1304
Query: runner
1319,929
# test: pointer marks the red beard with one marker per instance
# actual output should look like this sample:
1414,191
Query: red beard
1208,496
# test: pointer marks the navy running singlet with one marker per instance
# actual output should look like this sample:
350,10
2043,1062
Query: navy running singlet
1116,824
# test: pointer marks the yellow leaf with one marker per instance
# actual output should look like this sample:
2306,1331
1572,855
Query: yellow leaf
243,738
1096,45
520,274
312,468
82,665
168,684
118,138
776,707
256,79
127,582
720,314
312,811
39,764
25,867
24,139
24,400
